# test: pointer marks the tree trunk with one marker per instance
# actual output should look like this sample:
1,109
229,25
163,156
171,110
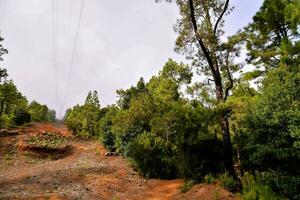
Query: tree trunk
225,130
212,61
1,107
228,146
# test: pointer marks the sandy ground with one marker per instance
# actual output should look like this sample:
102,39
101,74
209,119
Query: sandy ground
84,173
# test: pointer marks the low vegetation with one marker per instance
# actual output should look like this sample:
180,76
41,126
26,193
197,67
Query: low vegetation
47,140
254,189
174,126
187,186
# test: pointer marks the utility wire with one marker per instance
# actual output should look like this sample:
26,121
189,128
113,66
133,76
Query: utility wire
73,55
54,50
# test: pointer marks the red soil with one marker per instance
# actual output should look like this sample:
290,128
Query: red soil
86,173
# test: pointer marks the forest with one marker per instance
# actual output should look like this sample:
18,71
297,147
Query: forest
232,124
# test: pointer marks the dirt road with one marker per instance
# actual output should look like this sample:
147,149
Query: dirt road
83,173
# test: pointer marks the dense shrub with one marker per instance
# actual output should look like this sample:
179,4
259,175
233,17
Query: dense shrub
105,128
152,156
229,182
5,121
200,158
255,190
21,116
128,124
285,184
272,133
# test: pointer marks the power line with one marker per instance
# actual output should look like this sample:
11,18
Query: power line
54,49
73,55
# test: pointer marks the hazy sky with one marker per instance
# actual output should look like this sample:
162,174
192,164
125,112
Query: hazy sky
119,41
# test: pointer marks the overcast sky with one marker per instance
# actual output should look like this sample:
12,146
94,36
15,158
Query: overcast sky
119,41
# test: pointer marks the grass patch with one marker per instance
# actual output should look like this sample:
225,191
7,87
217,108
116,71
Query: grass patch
209,179
187,185
48,140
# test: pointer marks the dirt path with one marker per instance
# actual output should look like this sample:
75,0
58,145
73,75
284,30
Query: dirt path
84,173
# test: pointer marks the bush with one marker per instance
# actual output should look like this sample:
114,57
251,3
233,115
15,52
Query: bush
255,190
75,125
152,156
201,158
272,133
187,185
283,184
228,182
108,141
105,129
21,117
5,121
209,178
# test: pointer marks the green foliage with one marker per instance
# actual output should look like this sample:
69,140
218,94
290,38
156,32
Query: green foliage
41,113
152,156
125,96
167,135
11,98
83,119
74,119
129,123
162,125
286,184
200,31
51,115
187,185
255,190
201,157
105,128
209,179
229,182
48,140
272,34
177,72
13,105
21,116
3,51
5,121
272,132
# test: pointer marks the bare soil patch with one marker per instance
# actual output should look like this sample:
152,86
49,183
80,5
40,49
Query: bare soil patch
84,172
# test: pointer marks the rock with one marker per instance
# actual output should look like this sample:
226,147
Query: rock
3,132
